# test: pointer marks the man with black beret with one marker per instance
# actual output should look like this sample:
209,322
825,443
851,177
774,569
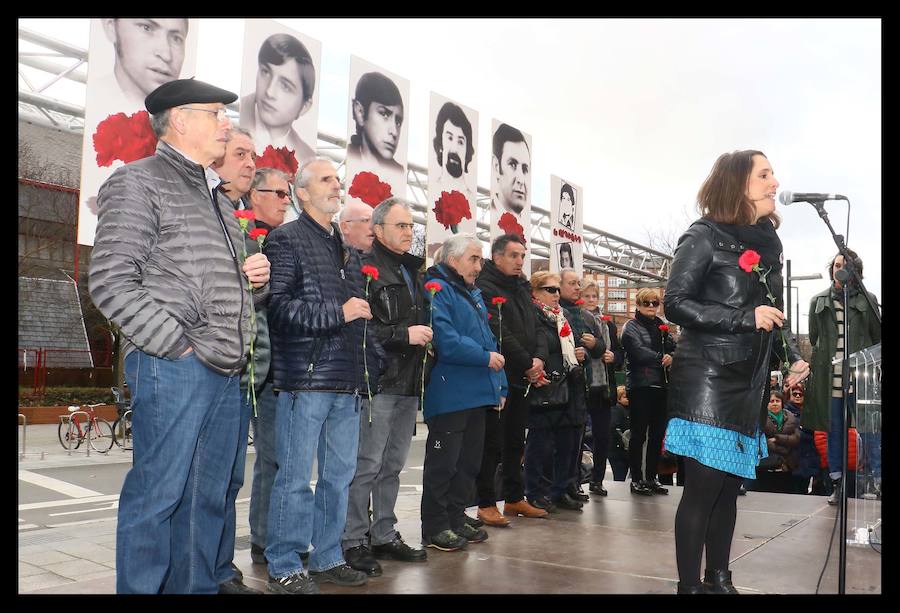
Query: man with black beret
166,268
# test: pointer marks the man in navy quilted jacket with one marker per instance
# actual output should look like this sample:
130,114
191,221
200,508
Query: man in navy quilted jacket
316,314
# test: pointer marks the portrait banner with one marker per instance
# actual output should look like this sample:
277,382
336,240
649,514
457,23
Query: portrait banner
280,84
566,225
452,171
511,185
128,59
377,145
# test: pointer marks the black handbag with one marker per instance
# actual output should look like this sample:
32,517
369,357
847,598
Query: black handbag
555,393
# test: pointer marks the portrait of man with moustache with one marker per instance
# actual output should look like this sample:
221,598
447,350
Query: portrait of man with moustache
454,148
512,170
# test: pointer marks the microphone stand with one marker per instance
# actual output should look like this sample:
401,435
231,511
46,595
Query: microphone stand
846,275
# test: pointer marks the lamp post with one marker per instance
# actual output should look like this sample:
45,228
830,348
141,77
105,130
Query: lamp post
788,279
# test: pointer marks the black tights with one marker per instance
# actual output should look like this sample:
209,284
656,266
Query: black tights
706,516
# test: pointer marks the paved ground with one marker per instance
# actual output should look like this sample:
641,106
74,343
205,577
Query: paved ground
621,544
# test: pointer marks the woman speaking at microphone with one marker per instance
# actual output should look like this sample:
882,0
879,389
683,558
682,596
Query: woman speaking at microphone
731,319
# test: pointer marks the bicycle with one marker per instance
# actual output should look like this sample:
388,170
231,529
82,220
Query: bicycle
97,430
122,425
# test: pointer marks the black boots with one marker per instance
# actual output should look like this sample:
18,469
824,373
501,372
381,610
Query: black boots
718,582
835,497
691,589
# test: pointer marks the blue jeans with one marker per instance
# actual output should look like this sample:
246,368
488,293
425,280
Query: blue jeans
172,505
264,467
549,455
224,571
324,426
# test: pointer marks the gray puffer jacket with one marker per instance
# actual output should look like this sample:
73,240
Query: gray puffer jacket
163,268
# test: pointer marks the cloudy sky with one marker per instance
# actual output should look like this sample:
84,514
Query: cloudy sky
635,111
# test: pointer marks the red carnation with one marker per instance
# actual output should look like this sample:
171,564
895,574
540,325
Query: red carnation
452,208
256,233
663,328
489,315
245,214
510,225
433,287
606,318
498,300
748,260
565,331
370,271
126,138
369,188
281,158
579,302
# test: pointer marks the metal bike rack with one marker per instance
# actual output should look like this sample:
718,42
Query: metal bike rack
24,425
71,419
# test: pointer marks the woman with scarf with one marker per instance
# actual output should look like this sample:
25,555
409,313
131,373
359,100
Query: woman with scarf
718,388
555,423
648,354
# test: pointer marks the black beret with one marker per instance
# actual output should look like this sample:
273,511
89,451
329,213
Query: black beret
185,91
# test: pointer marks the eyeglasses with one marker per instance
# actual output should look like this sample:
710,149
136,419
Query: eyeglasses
797,394
551,289
402,226
219,113
278,192
650,303
362,219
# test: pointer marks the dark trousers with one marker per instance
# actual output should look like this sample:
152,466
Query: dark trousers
619,467
648,417
599,409
504,441
452,458
550,452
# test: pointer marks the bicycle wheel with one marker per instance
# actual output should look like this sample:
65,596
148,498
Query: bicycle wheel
101,435
64,435
122,432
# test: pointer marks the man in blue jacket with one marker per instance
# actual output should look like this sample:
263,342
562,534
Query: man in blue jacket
315,326
467,378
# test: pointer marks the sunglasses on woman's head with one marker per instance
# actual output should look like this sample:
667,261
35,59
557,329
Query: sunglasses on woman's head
650,303
551,289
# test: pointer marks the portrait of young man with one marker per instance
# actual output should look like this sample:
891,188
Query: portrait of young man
511,177
378,114
148,53
567,207
283,92
454,148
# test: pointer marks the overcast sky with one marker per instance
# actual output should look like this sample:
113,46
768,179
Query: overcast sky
635,111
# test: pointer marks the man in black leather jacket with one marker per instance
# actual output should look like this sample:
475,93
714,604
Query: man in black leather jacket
525,353
396,299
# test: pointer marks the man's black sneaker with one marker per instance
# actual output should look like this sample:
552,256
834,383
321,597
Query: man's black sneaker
360,558
578,495
640,488
543,503
473,535
340,575
297,583
258,554
656,487
474,521
237,572
448,540
236,586
567,502
398,550
597,488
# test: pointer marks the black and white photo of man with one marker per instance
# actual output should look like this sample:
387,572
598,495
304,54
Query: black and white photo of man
567,207
285,84
566,259
377,109
149,52
454,148
512,168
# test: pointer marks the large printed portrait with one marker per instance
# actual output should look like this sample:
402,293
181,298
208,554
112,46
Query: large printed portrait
511,184
452,171
280,88
128,59
566,225
377,147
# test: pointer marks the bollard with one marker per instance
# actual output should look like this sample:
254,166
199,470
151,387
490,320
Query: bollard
24,430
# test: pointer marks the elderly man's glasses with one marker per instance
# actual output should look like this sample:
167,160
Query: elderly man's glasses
278,192
550,289
219,113
650,303
362,219
401,226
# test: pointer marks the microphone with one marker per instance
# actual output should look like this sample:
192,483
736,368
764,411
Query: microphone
787,197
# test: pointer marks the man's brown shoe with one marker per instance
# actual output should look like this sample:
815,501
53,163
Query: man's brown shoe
524,509
491,517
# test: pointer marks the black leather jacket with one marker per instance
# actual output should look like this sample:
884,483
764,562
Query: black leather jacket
643,363
393,312
721,373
